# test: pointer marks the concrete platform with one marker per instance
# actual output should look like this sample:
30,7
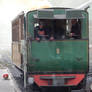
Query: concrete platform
6,85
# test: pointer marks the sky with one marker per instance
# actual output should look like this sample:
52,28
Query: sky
9,9
67,3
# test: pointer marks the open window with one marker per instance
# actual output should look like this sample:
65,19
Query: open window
59,29
59,26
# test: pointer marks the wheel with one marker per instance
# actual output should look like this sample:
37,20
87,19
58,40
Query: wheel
34,88
66,89
43,89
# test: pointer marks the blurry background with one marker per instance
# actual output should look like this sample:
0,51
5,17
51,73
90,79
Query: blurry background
9,9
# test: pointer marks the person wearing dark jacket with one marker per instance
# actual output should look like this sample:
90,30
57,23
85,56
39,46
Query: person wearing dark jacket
75,30
42,32
39,32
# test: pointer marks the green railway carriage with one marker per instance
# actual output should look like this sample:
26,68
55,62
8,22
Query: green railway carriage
61,62
73,56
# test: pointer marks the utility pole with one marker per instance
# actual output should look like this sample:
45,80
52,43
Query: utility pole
24,50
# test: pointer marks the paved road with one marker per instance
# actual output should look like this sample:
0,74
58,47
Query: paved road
6,85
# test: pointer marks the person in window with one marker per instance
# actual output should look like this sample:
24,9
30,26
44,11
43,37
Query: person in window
39,31
42,33
75,30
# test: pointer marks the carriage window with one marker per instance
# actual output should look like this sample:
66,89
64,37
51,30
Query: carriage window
57,29
75,29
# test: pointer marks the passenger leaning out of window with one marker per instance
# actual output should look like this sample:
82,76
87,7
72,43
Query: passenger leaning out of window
41,33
